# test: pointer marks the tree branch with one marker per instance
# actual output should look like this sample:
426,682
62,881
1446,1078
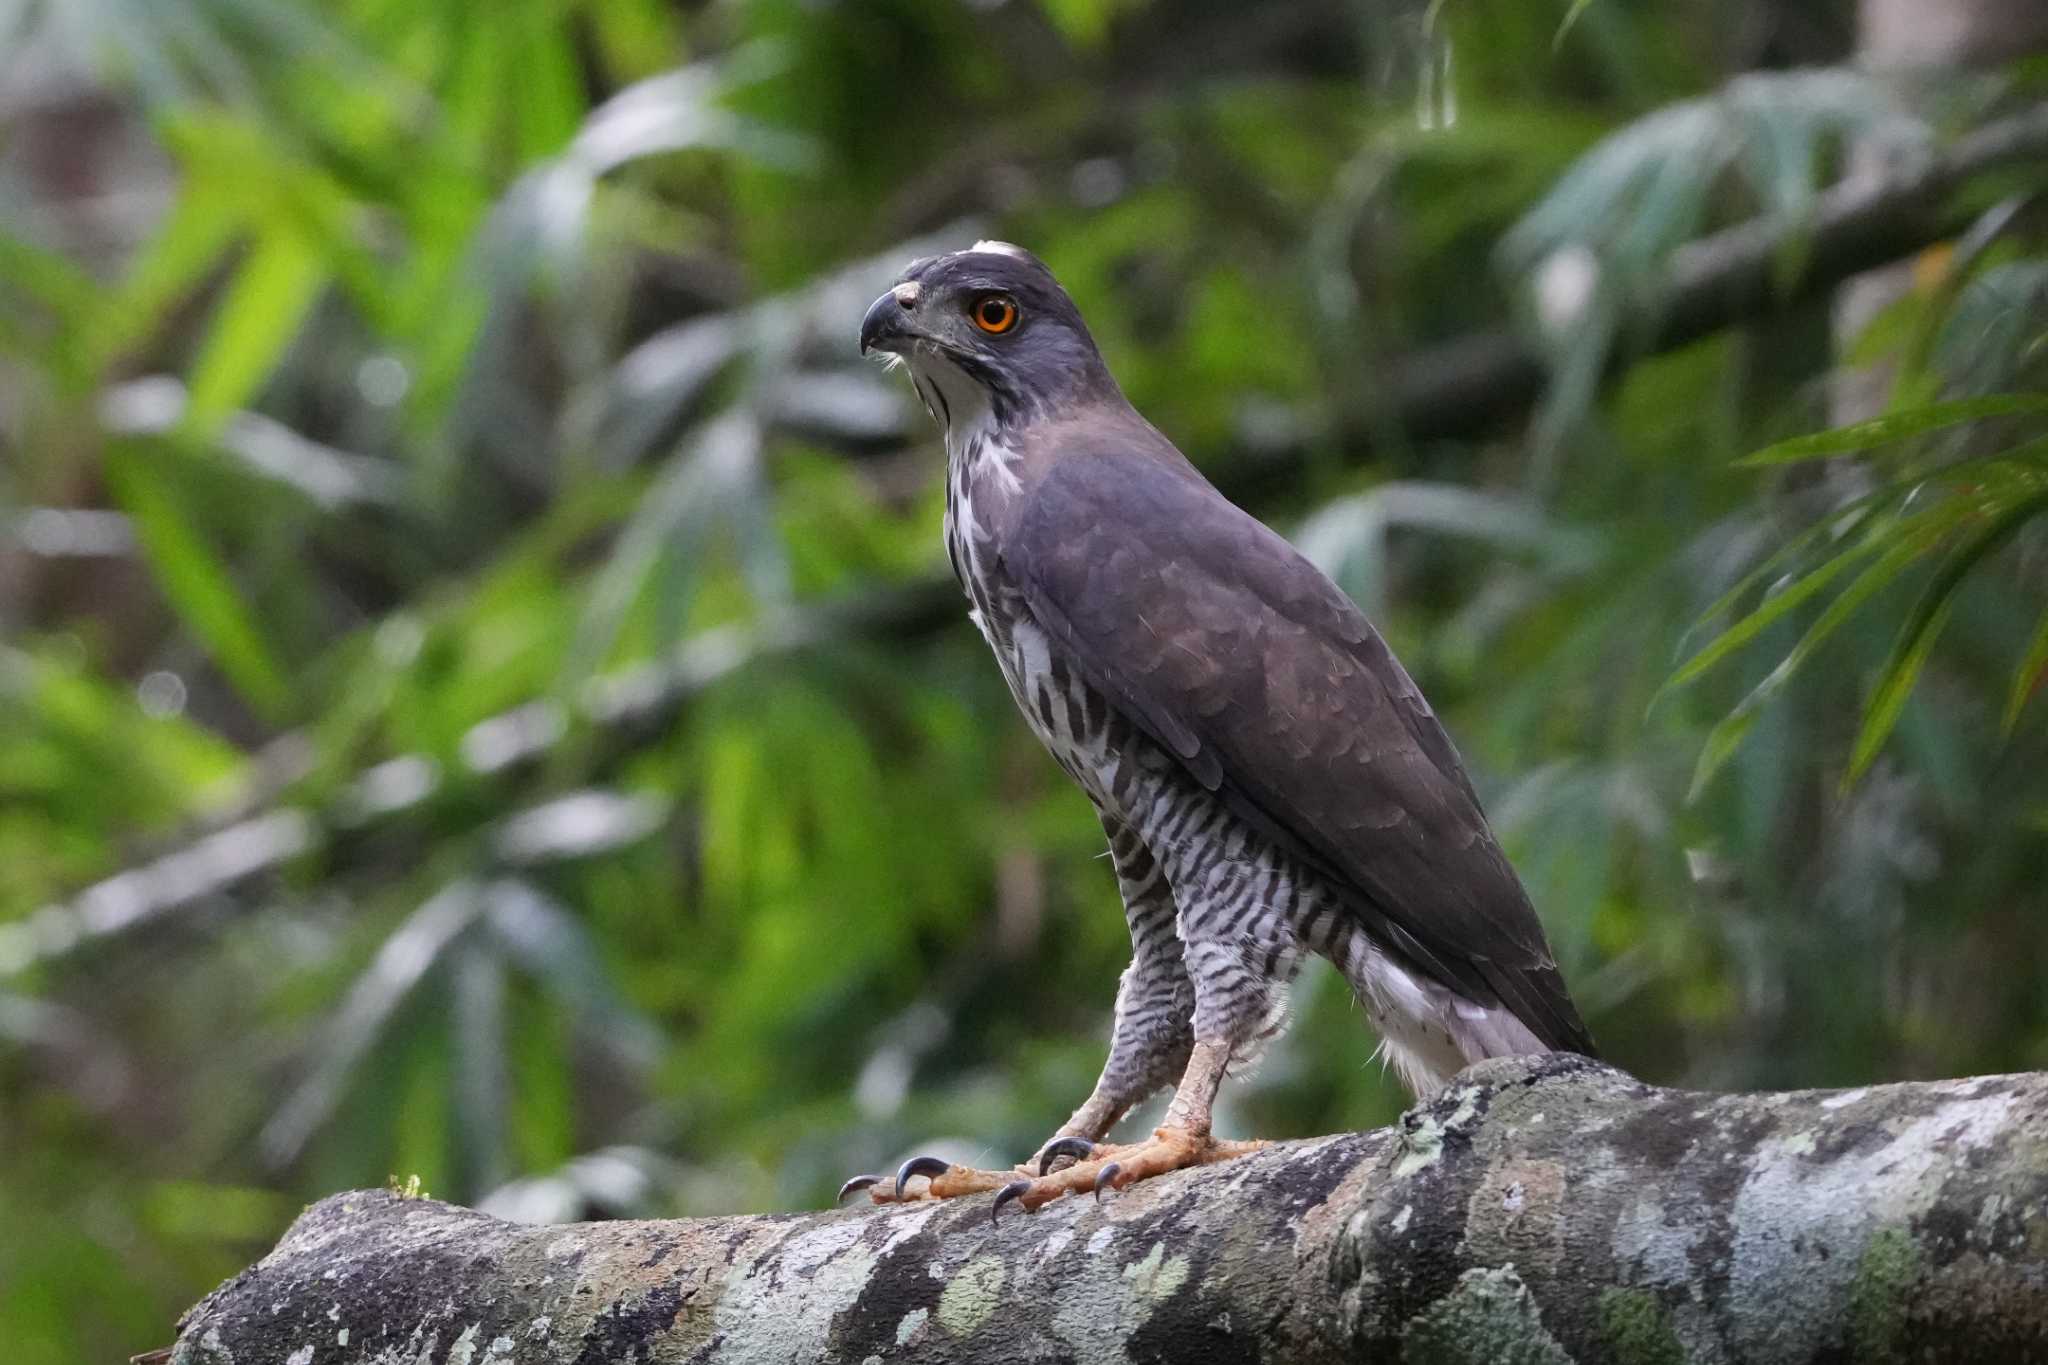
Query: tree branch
1472,385
1544,1210
1461,388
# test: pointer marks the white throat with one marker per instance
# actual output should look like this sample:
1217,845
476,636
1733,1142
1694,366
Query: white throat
975,445
958,404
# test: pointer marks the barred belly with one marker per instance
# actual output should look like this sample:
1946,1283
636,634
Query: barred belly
1247,910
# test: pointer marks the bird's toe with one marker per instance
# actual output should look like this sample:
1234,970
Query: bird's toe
1072,1148
1117,1167
940,1179
1016,1189
856,1185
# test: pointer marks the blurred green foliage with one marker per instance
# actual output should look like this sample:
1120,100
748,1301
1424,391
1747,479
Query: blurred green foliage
479,702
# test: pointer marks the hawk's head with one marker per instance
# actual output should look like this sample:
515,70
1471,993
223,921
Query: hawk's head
988,335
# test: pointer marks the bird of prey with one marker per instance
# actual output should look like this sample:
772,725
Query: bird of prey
1271,781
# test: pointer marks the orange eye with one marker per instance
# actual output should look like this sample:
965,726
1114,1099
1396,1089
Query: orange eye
994,313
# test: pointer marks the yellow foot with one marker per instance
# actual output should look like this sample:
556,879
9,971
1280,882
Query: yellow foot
1096,1168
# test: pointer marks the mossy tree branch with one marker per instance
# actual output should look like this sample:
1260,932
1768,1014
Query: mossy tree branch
1544,1210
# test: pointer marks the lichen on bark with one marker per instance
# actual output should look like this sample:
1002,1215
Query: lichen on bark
1543,1210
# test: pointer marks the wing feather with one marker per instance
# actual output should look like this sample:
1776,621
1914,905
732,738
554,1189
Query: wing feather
1219,640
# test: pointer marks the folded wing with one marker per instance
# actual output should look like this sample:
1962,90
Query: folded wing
1219,640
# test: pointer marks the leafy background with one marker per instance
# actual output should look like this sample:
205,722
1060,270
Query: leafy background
479,699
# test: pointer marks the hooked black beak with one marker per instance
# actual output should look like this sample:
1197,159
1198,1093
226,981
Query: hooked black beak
887,324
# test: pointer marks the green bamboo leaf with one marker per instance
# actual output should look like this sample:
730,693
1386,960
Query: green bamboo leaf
185,248
1727,736
1571,17
1722,742
2026,679
272,294
550,104
1923,628
1083,23
2022,462
1769,613
1854,516
1901,671
1894,427
193,578
1900,544
1840,526
45,275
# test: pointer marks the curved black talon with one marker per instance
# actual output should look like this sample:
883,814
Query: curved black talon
919,1165
855,1185
1079,1148
1006,1194
1103,1177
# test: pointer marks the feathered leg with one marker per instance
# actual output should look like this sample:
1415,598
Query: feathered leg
1236,986
1155,1002
1149,1043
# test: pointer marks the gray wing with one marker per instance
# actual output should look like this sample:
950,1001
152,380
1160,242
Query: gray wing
1226,646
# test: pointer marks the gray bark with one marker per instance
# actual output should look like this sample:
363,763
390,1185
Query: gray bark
1541,1210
